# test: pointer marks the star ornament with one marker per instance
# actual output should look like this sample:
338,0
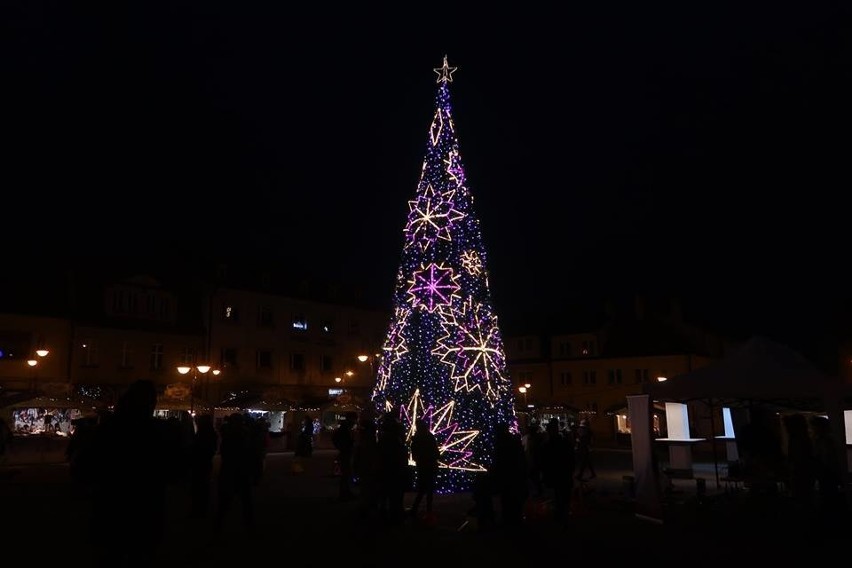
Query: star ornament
453,441
432,286
445,72
473,349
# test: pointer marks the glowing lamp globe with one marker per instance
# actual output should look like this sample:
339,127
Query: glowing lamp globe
183,370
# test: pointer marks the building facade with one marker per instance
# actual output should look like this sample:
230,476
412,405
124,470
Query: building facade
588,373
256,341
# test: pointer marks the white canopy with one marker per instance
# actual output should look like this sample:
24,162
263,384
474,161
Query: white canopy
761,371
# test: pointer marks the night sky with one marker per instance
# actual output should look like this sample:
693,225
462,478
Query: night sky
695,150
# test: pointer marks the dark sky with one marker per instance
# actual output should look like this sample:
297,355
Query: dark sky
694,149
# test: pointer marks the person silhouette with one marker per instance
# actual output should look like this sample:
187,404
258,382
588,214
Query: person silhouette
425,453
130,475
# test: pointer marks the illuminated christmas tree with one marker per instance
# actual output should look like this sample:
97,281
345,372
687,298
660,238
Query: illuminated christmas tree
443,358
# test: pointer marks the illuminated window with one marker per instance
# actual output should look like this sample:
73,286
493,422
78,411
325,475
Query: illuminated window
230,313
300,322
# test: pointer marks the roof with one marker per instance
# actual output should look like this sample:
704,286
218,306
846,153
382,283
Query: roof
761,370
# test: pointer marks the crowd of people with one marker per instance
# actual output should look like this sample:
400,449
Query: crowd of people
125,460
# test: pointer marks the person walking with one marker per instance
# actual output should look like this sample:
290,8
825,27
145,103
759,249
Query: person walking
344,442
425,453
584,451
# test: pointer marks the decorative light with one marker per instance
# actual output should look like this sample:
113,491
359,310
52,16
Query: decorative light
662,379
183,369
445,72
443,357
216,372
337,379
32,362
363,358
42,352
203,368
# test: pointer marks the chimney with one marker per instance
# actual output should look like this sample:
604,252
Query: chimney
639,306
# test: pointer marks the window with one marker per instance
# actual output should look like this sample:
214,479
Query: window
641,376
187,356
326,363
565,349
14,345
229,357
565,378
297,361
230,313
590,377
300,322
165,308
264,359
126,355
157,357
354,327
614,376
90,353
264,316
588,348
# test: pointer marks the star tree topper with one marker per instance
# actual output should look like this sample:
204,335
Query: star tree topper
445,72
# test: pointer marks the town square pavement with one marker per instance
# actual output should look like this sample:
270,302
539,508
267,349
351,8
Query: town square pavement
300,522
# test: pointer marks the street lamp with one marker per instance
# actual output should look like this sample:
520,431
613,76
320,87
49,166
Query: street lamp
33,362
523,390
363,358
204,370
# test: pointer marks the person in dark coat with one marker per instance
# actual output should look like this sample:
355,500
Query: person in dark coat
130,475
558,462
205,443
425,453
509,471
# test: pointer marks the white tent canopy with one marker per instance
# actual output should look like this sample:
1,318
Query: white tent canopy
761,372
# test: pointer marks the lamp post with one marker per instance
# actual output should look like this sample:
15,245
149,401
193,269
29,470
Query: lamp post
364,358
185,369
32,362
523,390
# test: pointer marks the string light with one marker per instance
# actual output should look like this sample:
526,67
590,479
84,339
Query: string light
443,358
